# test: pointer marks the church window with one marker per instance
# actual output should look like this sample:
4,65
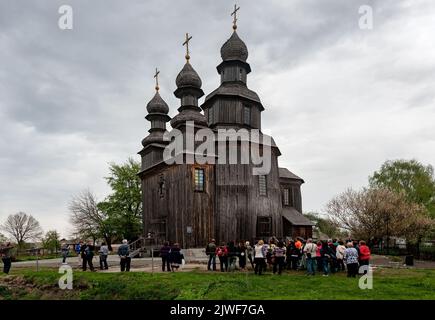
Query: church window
162,186
292,197
286,197
264,226
246,115
262,185
199,180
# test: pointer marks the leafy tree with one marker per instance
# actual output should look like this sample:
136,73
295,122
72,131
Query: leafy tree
324,225
88,220
124,205
22,227
414,179
51,241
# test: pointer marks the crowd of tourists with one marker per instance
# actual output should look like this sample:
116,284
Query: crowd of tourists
328,256
172,256
85,252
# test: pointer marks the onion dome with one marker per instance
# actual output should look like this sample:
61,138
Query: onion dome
188,77
157,105
234,49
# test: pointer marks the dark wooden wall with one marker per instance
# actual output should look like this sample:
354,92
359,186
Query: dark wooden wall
238,203
230,112
180,206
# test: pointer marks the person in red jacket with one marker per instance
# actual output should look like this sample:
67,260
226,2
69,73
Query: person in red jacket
364,254
222,253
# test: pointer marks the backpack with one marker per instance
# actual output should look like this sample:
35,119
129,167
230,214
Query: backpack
220,252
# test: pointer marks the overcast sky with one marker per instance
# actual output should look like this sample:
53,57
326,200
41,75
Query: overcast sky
339,100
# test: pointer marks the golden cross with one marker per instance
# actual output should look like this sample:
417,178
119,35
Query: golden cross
186,43
234,13
156,75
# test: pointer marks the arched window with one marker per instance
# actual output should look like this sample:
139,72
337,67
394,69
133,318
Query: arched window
199,180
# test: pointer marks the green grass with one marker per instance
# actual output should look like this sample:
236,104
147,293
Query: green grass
387,284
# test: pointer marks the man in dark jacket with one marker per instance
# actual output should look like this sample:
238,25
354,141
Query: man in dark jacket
210,250
164,254
292,256
6,254
326,254
87,253
124,255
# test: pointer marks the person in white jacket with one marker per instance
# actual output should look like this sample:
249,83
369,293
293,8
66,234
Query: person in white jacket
340,256
310,253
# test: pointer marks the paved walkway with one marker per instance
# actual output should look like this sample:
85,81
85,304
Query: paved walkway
194,261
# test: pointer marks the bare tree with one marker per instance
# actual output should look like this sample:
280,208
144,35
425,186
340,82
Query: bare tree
87,219
22,227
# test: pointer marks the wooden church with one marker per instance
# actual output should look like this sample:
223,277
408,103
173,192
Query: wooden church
191,203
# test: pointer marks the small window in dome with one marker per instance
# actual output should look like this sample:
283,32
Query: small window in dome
247,115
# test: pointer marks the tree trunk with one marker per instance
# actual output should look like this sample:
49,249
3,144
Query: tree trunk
418,248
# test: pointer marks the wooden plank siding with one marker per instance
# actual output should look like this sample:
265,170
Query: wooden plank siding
238,203
181,206
231,113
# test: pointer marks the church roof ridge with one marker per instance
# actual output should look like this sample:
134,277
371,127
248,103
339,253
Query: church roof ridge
286,173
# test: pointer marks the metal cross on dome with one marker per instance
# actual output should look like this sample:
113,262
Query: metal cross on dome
234,13
156,76
186,43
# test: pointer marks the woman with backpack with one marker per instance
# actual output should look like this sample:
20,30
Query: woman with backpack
222,254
